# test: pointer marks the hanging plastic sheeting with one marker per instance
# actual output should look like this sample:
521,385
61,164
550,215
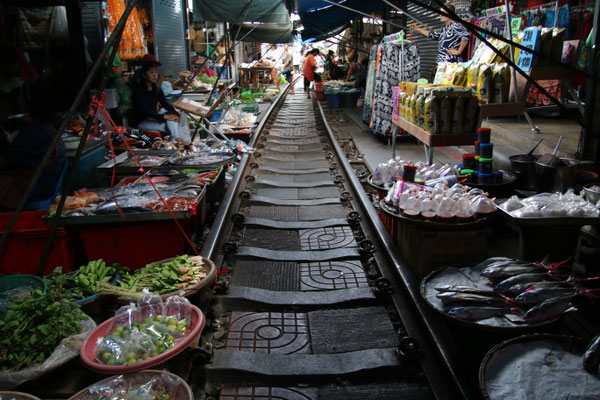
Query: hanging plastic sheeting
265,33
132,45
271,11
320,17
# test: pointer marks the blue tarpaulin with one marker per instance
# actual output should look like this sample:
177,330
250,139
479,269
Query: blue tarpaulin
271,11
319,17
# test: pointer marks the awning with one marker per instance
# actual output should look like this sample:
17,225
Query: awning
271,11
319,17
265,33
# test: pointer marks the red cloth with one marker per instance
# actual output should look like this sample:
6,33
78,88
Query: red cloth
27,72
309,67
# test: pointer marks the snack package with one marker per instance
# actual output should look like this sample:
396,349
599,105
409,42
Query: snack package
420,107
472,76
484,83
449,74
458,116
471,115
460,76
439,73
426,114
445,114
433,122
499,84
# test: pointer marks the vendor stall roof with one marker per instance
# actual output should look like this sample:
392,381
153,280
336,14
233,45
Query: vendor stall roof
320,17
265,33
272,11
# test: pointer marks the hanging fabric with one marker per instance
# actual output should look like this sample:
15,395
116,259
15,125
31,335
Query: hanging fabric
388,76
372,70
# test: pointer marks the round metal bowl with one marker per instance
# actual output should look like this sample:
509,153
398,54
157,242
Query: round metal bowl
592,196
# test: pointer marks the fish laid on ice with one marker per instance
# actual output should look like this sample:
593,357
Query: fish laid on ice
548,309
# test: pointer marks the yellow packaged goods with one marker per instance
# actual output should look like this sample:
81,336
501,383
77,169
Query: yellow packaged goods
484,79
415,106
471,115
445,114
439,73
449,74
434,118
460,76
472,76
421,111
499,87
458,116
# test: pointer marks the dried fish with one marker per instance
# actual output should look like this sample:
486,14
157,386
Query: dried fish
537,295
503,272
519,288
522,278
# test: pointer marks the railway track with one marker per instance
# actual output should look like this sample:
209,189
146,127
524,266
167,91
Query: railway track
312,302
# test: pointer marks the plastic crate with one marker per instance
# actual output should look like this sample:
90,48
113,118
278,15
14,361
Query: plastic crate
23,248
10,282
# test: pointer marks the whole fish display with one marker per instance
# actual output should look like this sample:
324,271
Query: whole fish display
475,313
506,284
465,289
519,288
538,295
462,298
548,309
591,357
504,272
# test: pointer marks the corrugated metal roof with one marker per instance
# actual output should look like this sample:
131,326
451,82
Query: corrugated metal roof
169,35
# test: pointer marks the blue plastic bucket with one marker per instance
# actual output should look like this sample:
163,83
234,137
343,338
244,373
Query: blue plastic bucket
333,100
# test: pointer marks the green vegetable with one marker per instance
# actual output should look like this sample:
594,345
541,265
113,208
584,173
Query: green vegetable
34,326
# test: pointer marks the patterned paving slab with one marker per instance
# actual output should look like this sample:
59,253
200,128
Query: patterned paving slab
292,202
305,277
400,391
321,192
294,165
294,156
333,237
278,213
269,333
293,171
267,393
293,141
290,184
283,177
295,224
290,255
264,238
304,213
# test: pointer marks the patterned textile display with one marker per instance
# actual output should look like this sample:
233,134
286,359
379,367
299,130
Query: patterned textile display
370,85
389,73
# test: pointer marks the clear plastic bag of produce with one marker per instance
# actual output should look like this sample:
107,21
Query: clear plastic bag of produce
140,332
67,349
141,386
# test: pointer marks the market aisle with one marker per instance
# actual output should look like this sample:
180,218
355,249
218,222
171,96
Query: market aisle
299,309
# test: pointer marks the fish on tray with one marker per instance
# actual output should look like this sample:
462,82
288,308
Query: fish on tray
519,288
548,309
449,298
506,284
591,357
498,273
538,295
474,313
465,289
146,161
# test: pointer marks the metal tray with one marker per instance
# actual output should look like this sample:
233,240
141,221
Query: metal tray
176,162
548,222
153,216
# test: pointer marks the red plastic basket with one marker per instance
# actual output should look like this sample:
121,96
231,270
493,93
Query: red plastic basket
89,345
22,251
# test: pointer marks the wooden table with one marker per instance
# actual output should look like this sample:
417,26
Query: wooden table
252,76
429,140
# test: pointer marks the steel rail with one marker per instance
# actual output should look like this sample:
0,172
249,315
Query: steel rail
436,330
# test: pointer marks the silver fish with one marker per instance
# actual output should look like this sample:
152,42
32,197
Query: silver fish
548,309
522,278
476,313
537,295
591,357
521,287
457,297
501,273
465,289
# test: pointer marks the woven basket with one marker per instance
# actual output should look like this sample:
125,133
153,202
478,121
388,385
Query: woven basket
211,273
181,392
17,396
19,280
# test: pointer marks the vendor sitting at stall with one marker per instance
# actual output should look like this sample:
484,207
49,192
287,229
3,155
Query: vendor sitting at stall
20,156
353,69
147,96
361,77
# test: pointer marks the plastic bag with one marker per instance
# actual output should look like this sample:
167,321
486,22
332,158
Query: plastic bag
184,129
149,387
65,351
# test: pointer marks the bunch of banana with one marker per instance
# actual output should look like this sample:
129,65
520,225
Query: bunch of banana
91,275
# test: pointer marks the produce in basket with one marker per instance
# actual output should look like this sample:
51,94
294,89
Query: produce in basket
141,332
85,281
176,274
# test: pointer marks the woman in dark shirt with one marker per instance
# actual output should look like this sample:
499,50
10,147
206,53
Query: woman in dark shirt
452,38
147,97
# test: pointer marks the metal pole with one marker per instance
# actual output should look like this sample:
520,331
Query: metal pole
78,99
